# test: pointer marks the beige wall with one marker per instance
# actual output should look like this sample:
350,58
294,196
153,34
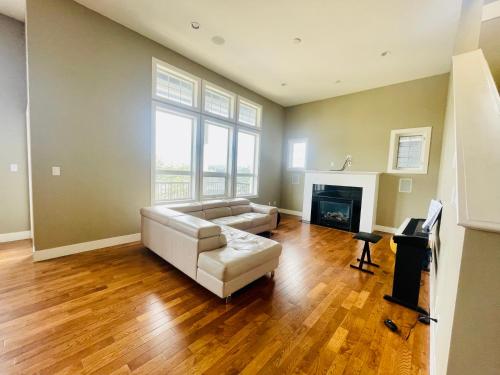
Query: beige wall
90,105
360,124
14,201
489,42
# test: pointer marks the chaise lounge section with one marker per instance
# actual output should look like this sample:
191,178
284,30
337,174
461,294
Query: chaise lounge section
214,242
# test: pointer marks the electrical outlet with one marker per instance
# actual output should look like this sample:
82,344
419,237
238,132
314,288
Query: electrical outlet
56,171
13,168
332,164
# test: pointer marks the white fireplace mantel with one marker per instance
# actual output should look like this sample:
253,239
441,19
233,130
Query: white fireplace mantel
368,181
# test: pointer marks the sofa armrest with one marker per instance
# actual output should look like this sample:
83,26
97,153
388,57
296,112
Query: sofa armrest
263,209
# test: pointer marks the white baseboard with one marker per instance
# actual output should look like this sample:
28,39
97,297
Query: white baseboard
381,228
62,251
15,236
290,212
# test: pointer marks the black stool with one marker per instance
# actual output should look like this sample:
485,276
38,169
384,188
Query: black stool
367,237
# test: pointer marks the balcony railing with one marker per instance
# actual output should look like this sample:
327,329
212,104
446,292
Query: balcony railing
172,191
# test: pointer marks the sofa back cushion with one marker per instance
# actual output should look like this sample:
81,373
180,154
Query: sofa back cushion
216,203
199,214
242,209
186,207
214,213
237,201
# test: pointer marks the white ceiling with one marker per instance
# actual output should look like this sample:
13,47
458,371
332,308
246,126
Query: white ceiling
341,40
13,8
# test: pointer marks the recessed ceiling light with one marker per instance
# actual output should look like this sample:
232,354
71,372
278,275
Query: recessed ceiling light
283,84
297,40
385,53
218,40
195,25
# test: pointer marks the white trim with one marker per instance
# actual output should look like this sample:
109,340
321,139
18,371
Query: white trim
425,132
15,236
290,212
381,228
62,251
491,10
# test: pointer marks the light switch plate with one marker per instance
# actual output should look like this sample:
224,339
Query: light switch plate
14,168
56,171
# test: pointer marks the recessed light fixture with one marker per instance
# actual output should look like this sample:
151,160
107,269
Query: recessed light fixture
218,40
283,84
297,40
195,25
385,53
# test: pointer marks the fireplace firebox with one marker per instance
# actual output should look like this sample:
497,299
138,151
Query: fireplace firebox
336,206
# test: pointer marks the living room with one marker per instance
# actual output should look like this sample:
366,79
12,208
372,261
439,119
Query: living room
185,190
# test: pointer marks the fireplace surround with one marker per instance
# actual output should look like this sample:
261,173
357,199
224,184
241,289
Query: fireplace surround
368,181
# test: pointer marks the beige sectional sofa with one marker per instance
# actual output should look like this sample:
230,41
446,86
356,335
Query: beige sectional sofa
214,242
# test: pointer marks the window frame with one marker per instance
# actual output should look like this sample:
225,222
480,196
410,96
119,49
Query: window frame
194,158
232,104
396,134
197,111
258,125
181,74
291,142
257,157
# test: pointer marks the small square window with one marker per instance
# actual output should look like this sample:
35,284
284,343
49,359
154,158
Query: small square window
249,114
217,101
409,150
174,85
297,154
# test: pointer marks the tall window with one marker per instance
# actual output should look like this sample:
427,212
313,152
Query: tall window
216,159
297,154
175,135
202,151
247,163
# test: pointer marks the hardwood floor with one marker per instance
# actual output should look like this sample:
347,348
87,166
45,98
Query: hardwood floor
124,310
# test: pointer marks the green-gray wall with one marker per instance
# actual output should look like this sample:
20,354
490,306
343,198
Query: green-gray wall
14,201
90,106
360,124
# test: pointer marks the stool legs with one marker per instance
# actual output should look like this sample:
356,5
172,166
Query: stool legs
365,253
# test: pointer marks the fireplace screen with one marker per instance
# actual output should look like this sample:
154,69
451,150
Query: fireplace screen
336,214
336,206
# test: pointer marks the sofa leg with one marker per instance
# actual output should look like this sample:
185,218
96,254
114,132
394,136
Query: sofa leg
228,299
271,274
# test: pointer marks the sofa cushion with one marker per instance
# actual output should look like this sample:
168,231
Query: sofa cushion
214,204
199,214
237,201
185,207
240,209
237,222
213,213
160,214
256,218
243,252
194,227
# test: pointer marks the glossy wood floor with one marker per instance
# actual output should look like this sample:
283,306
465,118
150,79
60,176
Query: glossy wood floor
124,310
